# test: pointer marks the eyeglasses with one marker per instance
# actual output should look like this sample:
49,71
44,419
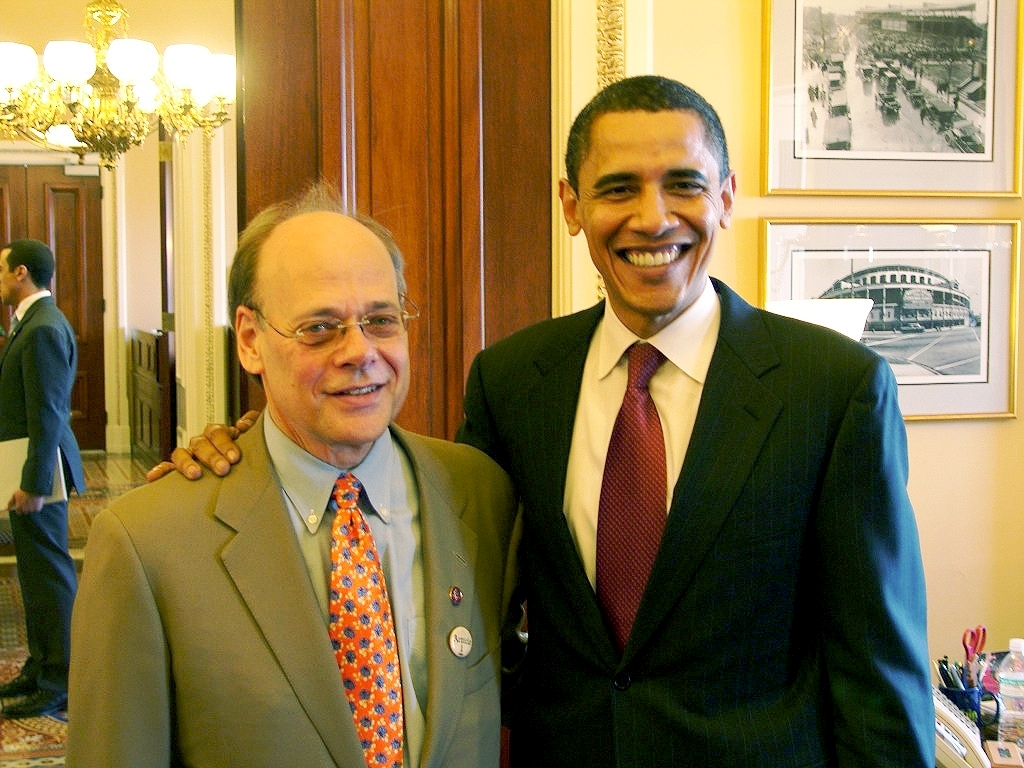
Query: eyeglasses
377,326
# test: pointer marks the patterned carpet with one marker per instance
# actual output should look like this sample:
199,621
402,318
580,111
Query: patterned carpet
33,741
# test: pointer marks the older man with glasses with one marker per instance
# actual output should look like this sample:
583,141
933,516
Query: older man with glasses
323,605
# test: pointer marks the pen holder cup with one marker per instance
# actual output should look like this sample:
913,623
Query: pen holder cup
968,701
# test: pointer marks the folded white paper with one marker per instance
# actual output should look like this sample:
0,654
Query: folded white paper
12,460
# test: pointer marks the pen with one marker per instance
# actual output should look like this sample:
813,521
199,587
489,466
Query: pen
949,674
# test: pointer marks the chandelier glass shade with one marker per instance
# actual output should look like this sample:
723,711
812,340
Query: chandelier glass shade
106,95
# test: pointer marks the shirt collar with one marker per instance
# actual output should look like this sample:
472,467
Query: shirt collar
687,342
308,482
27,302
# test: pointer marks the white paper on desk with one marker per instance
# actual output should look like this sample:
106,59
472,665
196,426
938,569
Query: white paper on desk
12,461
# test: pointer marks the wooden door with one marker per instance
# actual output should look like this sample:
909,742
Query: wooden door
434,118
41,202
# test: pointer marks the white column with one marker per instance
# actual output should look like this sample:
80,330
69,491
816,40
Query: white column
203,242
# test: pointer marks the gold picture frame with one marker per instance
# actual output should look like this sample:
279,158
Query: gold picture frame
869,99
944,293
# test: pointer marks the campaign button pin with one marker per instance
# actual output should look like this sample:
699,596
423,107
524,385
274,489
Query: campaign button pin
461,642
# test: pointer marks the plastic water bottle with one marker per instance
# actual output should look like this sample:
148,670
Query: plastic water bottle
1011,692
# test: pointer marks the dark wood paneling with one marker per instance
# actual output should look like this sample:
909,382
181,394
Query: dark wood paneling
434,118
152,397
64,212
517,184
13,216
278,105
277,123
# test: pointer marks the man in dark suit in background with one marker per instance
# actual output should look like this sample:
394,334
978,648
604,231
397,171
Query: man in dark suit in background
37,372
781,619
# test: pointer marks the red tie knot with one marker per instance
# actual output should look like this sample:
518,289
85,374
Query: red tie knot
644,360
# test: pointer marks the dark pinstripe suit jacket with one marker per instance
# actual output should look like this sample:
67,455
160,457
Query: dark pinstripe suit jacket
784,622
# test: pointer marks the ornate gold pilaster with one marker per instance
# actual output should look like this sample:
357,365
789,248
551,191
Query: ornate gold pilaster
611,32
209,331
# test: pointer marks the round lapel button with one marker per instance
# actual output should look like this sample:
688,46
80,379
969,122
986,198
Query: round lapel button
460,640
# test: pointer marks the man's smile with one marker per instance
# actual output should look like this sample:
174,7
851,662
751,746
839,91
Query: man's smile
653,258
366,389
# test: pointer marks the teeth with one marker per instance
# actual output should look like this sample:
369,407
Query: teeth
361,390
653,259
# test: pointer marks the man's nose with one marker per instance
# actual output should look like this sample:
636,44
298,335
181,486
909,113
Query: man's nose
352,344
653,214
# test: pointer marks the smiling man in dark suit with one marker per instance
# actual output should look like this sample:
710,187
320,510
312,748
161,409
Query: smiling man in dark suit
37,372
783,621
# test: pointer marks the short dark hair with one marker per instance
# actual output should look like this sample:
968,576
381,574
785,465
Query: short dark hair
644,93
37,258
318,197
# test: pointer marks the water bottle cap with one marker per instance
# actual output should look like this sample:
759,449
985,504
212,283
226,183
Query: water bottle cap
1017,644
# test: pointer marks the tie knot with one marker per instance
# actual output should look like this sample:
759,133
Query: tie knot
346,491
644,360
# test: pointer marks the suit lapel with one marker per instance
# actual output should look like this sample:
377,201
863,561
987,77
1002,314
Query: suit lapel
553,388
449,559
735,417
264,562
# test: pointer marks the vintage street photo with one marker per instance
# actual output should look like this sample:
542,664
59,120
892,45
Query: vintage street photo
894,79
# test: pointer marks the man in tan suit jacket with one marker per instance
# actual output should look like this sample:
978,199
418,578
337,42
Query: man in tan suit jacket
200,635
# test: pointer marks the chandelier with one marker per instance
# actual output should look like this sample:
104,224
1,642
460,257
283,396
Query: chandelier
106,95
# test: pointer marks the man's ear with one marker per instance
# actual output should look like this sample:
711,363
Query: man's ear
570,206
246,333
728,196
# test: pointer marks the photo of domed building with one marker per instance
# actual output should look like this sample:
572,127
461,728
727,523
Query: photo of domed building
907,298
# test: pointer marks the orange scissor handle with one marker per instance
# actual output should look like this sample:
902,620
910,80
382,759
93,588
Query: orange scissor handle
974,641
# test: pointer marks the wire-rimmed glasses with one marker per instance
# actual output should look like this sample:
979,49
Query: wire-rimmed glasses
379,325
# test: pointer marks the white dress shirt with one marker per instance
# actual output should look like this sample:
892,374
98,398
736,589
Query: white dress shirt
688,344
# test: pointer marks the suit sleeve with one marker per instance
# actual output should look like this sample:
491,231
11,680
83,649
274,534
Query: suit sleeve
875,636
120,655
45,370
477,428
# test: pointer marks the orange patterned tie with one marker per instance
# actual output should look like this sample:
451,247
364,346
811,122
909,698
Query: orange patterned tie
362,630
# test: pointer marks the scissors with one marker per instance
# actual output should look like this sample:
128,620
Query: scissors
973,642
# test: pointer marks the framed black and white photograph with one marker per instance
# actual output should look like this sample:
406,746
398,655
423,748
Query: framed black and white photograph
892,98
939,301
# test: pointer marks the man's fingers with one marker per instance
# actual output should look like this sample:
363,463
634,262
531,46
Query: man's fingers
246,420
215,442
215,449
184,461
158,471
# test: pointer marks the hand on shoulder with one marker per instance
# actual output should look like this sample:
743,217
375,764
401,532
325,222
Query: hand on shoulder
215,449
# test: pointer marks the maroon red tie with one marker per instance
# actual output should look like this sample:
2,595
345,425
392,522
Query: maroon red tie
631,515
